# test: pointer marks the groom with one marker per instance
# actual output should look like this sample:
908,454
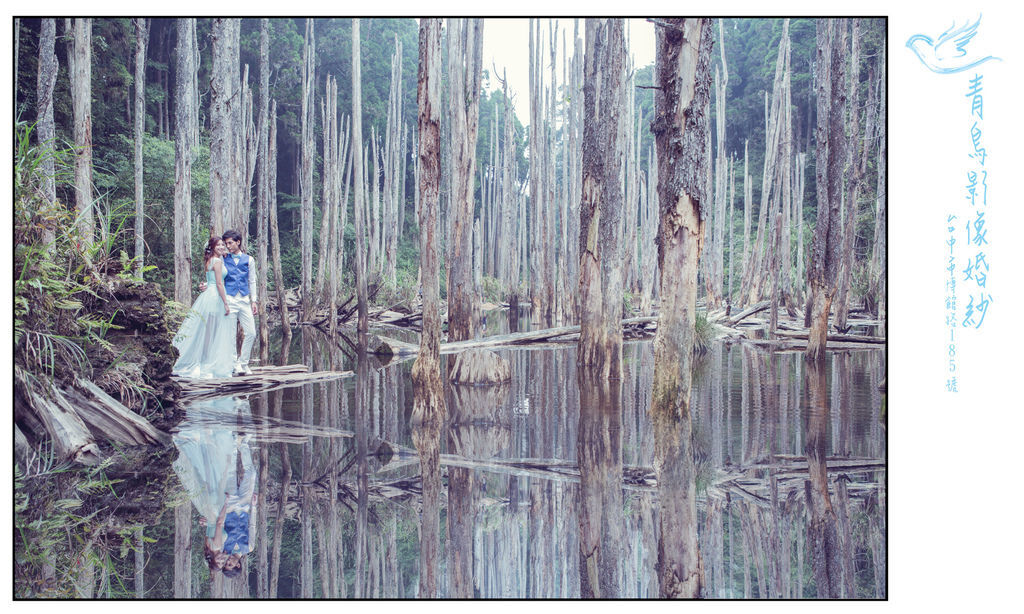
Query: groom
240,284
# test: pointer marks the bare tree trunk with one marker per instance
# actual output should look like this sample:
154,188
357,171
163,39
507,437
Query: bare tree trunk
46,83
263,189
184,139
357,151
141,40
682,67
853,178
878,257
306,178
831,66
80,68
222,136
600,237
275,236
464,60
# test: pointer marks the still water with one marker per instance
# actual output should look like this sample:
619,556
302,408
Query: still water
337,506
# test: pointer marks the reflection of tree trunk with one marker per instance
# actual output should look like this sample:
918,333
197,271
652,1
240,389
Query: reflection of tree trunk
183,551
282,501
599,455
821,528
260,505
846,535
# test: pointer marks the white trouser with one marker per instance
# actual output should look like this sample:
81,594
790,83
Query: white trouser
241,311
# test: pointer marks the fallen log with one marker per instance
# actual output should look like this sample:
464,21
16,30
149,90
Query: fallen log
833,337
561,333
106,415
263,379
749,311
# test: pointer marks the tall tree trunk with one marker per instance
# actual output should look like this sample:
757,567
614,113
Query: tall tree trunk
853,180
80,68
878,257
184,140
600,237
141,40
275,236
465,64
263,187
357,152
46,82
222,138
306,178
831,66
682,67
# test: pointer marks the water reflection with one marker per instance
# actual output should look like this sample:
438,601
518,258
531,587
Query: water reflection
512,492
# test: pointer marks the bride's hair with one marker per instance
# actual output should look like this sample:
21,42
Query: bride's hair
208,250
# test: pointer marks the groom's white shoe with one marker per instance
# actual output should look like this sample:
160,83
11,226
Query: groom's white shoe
241,370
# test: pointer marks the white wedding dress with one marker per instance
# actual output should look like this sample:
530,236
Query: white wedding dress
206,341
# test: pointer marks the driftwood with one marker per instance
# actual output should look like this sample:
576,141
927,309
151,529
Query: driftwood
263,379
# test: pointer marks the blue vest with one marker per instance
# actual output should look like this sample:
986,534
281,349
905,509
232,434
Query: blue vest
236,276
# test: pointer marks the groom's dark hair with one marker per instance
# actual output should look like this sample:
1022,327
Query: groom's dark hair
232,234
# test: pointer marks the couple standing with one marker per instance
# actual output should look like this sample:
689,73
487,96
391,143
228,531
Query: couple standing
206,339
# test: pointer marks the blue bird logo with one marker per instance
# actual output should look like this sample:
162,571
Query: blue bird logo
948,54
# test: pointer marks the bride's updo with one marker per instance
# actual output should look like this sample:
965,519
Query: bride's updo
208,251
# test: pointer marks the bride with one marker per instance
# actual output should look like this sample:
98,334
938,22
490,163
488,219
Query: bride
205,342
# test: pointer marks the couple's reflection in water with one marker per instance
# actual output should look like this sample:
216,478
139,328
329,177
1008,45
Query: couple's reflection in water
215,466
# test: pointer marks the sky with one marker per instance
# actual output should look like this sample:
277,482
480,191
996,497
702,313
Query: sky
507,47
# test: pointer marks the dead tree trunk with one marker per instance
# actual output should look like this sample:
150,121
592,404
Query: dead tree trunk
184,140
46,83
80,68
308,154
878,257
221,133
263,188
854,177
464,71
275,236
831,66
600,237
141,39
429,403
683,59
357,152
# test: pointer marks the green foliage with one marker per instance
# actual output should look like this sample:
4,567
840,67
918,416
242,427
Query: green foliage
51,325
54,526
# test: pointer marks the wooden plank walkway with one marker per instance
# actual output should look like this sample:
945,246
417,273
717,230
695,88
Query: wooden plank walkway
262,379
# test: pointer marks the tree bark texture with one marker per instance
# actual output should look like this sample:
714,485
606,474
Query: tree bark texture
464,71
854,177
141,40
831,152
46,83
306,176
683,58
357,170
600,237
184,140
428,401
80,67
263,162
